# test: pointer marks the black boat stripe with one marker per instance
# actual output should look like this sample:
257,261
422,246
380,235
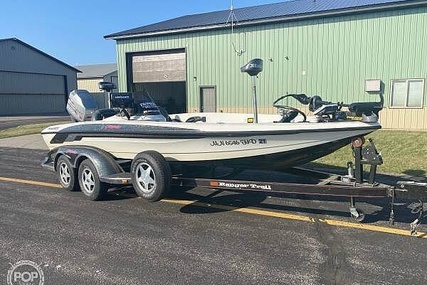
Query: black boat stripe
175,133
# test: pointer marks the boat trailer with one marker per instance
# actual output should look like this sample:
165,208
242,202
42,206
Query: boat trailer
93,170
353,185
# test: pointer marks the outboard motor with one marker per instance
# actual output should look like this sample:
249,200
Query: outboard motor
81,105
253,68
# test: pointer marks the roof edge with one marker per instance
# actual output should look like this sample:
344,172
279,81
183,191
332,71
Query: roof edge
346,11
41,52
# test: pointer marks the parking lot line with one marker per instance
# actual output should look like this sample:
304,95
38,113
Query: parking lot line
31,182
259,212
281,215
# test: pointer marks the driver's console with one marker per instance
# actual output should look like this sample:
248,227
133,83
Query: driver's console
132,106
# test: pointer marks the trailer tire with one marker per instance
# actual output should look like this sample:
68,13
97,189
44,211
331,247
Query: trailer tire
151,175
66,173
89,181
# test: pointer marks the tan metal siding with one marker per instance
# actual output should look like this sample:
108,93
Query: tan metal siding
404,119
90,85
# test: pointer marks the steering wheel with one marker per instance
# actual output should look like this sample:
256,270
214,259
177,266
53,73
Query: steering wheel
124,112
288,113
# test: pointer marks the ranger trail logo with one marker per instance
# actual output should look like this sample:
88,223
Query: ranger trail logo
242,186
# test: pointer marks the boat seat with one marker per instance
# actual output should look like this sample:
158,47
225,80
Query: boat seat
367,108
328,109
102,114
196,119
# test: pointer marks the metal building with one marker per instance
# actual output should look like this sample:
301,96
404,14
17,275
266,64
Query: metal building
336,49
31,81
91,75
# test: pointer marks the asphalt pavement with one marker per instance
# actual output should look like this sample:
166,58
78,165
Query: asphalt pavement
197,236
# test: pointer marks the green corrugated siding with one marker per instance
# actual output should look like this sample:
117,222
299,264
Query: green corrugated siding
330,57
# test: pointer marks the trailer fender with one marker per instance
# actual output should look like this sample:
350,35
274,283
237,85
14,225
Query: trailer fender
104,162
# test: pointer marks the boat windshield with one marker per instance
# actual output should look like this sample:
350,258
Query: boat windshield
144,103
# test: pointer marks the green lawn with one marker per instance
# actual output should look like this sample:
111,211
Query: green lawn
403,152
26,130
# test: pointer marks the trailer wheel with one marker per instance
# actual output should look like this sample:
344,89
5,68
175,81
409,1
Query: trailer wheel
360,217
151,175
66,174
89,181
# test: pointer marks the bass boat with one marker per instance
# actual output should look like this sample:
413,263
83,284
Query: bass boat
287,139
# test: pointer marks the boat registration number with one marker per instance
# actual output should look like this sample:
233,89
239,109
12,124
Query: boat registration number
219,143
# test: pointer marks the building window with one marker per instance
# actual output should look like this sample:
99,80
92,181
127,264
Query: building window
407,93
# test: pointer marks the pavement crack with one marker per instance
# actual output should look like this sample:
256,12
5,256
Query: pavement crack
336,269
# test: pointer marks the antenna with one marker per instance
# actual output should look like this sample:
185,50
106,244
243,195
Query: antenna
232,19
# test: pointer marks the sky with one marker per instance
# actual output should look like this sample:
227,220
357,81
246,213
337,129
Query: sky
73,30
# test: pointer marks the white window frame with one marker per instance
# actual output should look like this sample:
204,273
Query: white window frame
407,83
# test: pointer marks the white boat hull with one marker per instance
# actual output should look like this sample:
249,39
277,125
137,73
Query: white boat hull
213,141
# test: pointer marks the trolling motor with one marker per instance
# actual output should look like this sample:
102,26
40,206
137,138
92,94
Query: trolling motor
325,110
253,68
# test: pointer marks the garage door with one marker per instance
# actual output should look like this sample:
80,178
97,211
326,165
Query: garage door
161,67
30,93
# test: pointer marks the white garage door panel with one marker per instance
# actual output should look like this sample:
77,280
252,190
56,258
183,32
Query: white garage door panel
168,67
31,83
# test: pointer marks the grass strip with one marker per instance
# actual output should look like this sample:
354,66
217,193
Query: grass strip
403,152
26,130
